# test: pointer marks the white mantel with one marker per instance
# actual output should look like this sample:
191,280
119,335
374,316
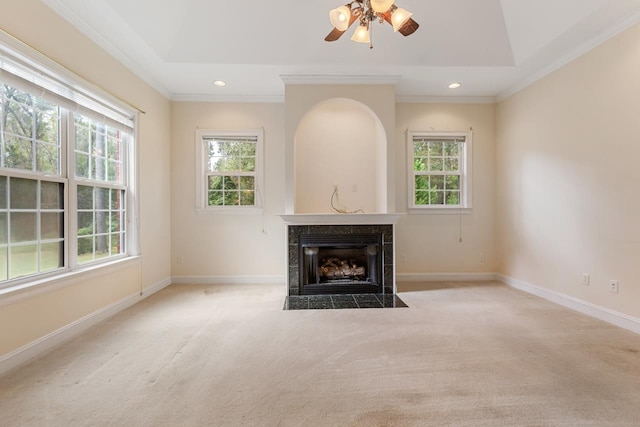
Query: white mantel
340,219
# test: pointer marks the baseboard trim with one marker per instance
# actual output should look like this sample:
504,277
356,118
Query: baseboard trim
610,316
445,277
228,280
35,348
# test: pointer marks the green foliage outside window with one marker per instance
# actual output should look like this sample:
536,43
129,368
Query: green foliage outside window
231,178
436,167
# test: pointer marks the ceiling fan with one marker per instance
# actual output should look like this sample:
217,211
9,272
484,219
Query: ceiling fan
368,11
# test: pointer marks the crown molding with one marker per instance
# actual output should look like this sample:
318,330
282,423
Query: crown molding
419,99
88,30
339,79
620,26
267,99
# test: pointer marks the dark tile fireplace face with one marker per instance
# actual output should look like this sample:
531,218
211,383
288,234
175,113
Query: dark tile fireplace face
340,259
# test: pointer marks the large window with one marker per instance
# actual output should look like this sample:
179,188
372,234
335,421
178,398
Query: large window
440,166
65,166
229,170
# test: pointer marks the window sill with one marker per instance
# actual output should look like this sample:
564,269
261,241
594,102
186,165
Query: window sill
60,280
439,211
229,211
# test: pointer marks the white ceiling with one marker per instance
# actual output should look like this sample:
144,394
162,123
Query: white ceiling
493,47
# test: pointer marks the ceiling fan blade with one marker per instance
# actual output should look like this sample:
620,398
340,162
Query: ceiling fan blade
409,27
335,34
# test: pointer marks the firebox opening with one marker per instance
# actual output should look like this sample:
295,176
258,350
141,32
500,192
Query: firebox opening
334,264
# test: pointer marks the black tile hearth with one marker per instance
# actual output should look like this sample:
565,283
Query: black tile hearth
328,302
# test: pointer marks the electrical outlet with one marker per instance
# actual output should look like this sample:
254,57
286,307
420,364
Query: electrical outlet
180,260
483,258
585,279
613,286
403,257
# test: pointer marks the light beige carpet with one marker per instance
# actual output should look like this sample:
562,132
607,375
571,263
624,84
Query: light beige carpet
472,354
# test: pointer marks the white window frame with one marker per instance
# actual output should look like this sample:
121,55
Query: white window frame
25,69
202,157
466,183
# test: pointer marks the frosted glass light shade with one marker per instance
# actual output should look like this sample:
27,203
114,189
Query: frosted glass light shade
381,6
399,17
361,35
340,17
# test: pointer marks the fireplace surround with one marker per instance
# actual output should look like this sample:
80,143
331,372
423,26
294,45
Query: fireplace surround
363,243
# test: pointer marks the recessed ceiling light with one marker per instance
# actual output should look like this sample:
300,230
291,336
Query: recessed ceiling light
455,85
219,83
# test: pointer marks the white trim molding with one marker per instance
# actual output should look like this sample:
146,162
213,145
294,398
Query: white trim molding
610,316
35,348
229,280
445,277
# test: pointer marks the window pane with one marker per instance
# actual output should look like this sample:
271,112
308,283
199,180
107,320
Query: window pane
453,197
247,164
51,256
115,222
420,149
19,118
422,197
46,158
83,137
117,200
85,223
102,222
420,164
46,121
102,198
453,182
247,182
82,165
117,244
451,148
437,182
85,249
436,197
24,260
3,192
451,164
3,229
23,227
435,164
3,264
51,226
23,193
215,183
231,198
85,197
18,153
435,149
231,182
51,195
102,246
247,198
422,182
216,198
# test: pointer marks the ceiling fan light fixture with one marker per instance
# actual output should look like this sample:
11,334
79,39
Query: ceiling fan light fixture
361,34
340,17
381,6
399,17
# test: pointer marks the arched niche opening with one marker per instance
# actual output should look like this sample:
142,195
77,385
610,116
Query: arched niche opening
340,144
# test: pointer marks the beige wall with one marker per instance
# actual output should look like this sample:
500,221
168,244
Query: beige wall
567,155
340,143
430,242
26,320
222,245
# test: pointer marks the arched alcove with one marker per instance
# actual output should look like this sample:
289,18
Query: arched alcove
340,143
